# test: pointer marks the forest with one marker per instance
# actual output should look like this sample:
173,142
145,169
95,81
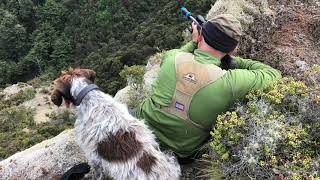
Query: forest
43,37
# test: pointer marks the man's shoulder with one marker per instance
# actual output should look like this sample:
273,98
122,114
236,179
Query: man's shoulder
169,56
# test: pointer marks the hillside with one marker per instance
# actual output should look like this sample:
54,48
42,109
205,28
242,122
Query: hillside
274,134
43,37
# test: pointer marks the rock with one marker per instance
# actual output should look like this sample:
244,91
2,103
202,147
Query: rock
244,10
14,89
151,76
302,65
46,160
123,95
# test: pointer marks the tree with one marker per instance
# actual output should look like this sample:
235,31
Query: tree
24,10
53,13
42,48
13,37
8,72
61,55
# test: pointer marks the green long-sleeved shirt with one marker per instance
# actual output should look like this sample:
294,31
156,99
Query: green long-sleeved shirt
175,133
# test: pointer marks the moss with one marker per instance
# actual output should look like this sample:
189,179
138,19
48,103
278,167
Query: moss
133,74
44,90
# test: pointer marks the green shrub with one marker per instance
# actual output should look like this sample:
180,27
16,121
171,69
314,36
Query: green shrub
277,132
25,95
17,99
65,116
44,90
134,75
135,80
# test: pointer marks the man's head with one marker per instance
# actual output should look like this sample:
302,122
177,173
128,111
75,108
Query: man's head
221,33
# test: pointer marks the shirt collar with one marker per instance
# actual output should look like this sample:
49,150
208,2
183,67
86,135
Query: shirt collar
206,58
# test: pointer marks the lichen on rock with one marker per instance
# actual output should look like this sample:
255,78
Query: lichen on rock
275,133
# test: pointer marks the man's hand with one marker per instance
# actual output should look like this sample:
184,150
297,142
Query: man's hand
195,32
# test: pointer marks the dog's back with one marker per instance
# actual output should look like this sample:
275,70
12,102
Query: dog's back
118,144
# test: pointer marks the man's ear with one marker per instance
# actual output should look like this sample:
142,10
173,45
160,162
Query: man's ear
200,39
234,52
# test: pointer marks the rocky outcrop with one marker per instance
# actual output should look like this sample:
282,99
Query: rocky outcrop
245,11
47,160
35,98
44,109
11,91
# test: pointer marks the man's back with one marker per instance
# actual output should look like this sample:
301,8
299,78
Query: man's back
175,133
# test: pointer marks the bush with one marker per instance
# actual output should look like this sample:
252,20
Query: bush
64,116
25,95
17,99
135,80
134,75
276,133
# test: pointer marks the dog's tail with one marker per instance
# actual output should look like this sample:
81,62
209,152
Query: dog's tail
77,172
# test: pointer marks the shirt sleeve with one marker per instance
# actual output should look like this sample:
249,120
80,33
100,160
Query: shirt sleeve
189,47
251,75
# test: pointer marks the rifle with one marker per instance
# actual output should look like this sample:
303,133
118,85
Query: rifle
199,20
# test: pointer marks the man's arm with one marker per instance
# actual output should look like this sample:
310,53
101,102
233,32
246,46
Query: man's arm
251,75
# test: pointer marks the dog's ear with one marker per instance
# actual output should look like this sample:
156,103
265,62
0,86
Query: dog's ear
56,97
61,90
90,74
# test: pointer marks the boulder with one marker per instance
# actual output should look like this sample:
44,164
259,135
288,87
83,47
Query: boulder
244,10
10,91
46,160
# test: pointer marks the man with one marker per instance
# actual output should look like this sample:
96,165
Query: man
192,89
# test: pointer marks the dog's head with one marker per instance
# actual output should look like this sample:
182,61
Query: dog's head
62,85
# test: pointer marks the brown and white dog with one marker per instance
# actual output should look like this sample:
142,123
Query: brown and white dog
115,143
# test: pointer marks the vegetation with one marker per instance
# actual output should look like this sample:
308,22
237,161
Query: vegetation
40,37
276,133
19,131
15,100
134,76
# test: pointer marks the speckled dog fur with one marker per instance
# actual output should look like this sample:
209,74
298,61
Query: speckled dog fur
115,143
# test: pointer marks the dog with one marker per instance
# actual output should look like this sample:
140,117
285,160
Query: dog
116,144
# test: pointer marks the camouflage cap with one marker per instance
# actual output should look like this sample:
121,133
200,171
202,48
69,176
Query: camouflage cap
228,24
222,32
